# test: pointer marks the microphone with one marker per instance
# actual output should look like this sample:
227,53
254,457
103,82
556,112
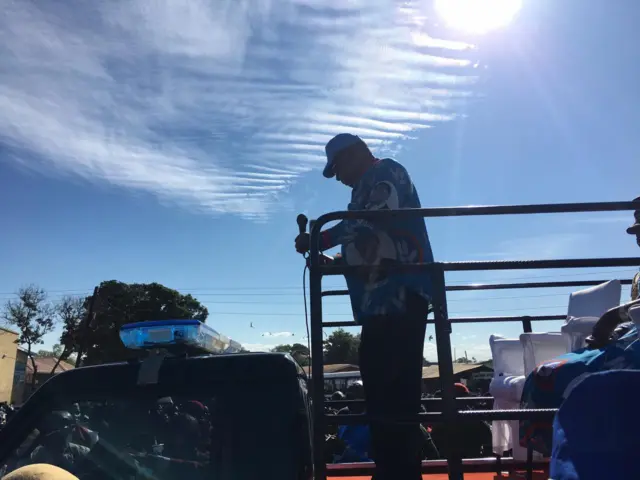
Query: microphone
302,221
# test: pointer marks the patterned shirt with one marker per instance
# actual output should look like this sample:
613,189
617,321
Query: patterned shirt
385,185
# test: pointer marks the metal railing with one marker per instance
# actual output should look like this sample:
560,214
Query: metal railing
450,414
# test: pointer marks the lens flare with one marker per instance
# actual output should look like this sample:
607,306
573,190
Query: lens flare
477,16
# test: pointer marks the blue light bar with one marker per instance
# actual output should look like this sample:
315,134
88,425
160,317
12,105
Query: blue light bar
165,333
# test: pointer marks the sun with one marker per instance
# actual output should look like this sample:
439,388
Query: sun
477,16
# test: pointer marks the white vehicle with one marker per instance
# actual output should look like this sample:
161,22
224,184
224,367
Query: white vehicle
340,380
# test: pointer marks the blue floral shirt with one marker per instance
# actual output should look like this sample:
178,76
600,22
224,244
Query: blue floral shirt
386,185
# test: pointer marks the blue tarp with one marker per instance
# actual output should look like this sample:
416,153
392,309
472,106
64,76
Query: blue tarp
596,432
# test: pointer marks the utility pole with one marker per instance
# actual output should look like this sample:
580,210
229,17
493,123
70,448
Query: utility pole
86,325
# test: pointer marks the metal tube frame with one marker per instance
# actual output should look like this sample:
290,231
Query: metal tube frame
456,466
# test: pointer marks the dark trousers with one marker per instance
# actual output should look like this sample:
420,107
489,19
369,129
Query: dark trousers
391,352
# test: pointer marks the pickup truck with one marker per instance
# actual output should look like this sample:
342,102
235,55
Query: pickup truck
237,416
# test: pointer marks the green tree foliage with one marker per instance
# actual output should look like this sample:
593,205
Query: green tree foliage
341,347
298,351
72,312
55,351
118,303
466,360
33,316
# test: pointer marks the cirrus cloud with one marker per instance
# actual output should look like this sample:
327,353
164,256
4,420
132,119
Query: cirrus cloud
217,106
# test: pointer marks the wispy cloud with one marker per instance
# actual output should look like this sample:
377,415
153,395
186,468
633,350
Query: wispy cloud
259,347
545,246
278,334
217,106
600,220
480,350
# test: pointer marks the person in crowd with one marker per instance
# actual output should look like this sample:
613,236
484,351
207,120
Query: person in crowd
429,451
391,307
185,437
613,345
471,437
356,439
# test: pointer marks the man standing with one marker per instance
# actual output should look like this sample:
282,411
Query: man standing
391,307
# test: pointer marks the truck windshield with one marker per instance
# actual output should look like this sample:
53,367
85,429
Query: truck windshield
226,435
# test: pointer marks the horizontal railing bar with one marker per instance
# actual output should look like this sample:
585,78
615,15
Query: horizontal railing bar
469,465
482,266
524,285
438,417
430,402
476,210
532,318
502,286
335,293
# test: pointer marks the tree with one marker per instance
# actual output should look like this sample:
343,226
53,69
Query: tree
33,317
298,351
72,311
341,347
56,351
118,303
466,360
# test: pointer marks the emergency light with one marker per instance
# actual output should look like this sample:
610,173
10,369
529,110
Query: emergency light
188,334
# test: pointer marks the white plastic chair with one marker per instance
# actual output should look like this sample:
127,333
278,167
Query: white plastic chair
506,388
539,347
594,301
576,330
536,349
585,309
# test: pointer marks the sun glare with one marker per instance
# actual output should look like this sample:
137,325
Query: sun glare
477,16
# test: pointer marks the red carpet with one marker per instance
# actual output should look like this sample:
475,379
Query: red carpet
467,476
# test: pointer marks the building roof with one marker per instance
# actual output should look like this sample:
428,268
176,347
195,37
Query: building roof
433,371
45,365
335,368
8,330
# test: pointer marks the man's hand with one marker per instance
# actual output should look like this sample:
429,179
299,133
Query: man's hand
302,243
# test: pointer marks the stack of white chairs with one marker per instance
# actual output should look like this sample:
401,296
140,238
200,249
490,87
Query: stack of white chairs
514,359
540,347
506,387
537,348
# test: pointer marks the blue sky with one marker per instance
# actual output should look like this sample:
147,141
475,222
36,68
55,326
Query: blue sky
154,141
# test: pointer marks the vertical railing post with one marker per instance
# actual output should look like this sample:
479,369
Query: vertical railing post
317,352
445,367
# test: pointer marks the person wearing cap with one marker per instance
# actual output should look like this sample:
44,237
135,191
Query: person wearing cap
612,345
391,307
